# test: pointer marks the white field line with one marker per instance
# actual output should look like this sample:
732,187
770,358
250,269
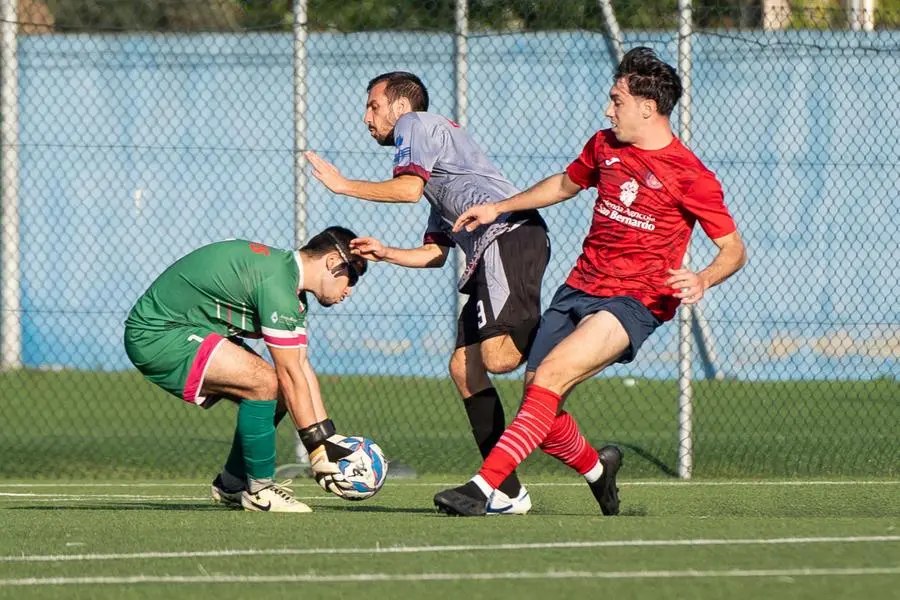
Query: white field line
406,577
579,483
34,558
36,497
136,502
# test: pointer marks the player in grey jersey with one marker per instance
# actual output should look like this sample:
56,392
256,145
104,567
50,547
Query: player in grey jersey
505,261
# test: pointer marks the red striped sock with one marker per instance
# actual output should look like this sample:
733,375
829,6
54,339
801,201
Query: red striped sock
566,444
523,435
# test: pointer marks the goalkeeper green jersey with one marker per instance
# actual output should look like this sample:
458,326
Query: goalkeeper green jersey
233,288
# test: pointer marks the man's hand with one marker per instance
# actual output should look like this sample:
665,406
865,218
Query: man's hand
322,443
323,460
689,286
327,173
483,214
369,248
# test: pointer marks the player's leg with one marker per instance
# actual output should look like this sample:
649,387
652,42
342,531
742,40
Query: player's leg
577,357
166,359
496,327
555,325
201,367
566,443
480,399
230,483
233,371
512,271
599,340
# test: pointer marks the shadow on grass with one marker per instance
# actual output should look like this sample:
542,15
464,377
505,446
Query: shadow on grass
211,508
124,506
374,509
653,460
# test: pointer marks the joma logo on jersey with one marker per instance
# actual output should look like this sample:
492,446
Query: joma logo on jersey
628,192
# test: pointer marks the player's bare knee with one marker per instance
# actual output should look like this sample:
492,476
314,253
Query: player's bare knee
264,385
500,355
501,362
457,367
552,375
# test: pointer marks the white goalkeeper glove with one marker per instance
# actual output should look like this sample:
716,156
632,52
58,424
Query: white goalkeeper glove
321,441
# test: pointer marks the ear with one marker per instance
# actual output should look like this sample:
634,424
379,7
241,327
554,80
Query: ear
332,260
648,108
402,105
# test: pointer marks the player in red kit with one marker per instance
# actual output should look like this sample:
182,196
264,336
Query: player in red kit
628,280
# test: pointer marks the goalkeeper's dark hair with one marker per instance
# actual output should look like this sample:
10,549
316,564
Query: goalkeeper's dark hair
331,238
401,84
649,77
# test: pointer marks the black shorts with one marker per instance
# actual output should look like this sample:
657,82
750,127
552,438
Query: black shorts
569,306
505,289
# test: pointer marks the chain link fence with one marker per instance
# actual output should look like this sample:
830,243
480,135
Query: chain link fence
136,131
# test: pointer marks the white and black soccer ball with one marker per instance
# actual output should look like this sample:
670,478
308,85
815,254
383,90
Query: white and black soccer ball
365,468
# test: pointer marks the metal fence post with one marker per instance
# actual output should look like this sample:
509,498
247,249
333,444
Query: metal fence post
461,95
685,315
300,54
10,287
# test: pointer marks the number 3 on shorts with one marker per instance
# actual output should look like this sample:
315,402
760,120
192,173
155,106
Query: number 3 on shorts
482,318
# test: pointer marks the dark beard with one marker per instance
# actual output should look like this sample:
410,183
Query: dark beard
388,140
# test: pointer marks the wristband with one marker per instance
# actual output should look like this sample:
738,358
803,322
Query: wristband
316,434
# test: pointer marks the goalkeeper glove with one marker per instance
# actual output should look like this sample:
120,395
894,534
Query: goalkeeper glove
322,443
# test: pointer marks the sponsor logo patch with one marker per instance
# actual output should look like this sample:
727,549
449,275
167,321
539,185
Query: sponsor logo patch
652,182
628,192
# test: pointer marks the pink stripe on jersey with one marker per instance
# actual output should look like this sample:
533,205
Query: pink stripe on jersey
282,338
194,383
412,170
296,341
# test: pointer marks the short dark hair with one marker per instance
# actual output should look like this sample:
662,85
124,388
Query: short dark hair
651,78
331,238
401,84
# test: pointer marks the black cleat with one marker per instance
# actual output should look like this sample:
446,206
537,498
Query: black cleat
604,489
463,501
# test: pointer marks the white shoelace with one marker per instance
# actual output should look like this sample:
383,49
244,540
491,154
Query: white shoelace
284,491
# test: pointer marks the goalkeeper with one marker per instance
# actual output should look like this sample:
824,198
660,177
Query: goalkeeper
184,334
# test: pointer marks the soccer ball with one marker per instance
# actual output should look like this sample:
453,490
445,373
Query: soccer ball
366,468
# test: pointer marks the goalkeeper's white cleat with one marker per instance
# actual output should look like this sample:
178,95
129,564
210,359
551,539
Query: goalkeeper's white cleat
501,504
275,498
221,495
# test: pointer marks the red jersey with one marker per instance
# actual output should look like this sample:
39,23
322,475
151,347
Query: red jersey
647,203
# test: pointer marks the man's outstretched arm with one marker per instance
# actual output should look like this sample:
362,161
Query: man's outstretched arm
546,192
425,256
400,189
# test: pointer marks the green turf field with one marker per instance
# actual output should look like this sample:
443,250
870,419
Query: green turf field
92,424
103,494
735,540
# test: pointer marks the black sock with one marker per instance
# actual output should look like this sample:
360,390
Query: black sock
488,423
